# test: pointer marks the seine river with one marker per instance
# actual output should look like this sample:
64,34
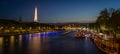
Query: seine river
47,43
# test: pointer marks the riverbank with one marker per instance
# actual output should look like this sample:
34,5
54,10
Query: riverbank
27,32
18,33
108,47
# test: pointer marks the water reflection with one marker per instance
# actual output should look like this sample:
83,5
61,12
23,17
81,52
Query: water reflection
1,44
20,41
26,44
12,40
34,45
46,43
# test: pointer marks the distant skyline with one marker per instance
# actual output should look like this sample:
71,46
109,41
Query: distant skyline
55,11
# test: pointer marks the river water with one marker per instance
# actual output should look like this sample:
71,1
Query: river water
47,43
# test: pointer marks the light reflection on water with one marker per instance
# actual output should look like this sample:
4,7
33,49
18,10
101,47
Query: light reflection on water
34,43
1,44
12,40
46,43
27,43
20,41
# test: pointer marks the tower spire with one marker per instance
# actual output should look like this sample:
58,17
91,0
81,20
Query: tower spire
35,15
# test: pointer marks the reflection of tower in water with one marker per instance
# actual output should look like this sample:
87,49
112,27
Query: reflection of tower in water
34,43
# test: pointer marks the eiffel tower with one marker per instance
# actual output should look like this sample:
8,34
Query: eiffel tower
35,15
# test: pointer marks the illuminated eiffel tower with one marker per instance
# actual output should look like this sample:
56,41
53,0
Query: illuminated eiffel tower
35,15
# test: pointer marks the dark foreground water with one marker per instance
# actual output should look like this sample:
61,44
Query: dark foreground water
47,43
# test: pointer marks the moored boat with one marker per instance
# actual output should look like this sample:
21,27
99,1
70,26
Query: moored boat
79,35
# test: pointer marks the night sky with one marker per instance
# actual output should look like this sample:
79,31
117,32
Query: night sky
55,11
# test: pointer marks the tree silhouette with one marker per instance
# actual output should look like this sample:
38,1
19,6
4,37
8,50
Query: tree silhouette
109,20
102,19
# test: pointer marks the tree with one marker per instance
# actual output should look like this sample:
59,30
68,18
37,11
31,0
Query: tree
109,20
114,20
102,19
